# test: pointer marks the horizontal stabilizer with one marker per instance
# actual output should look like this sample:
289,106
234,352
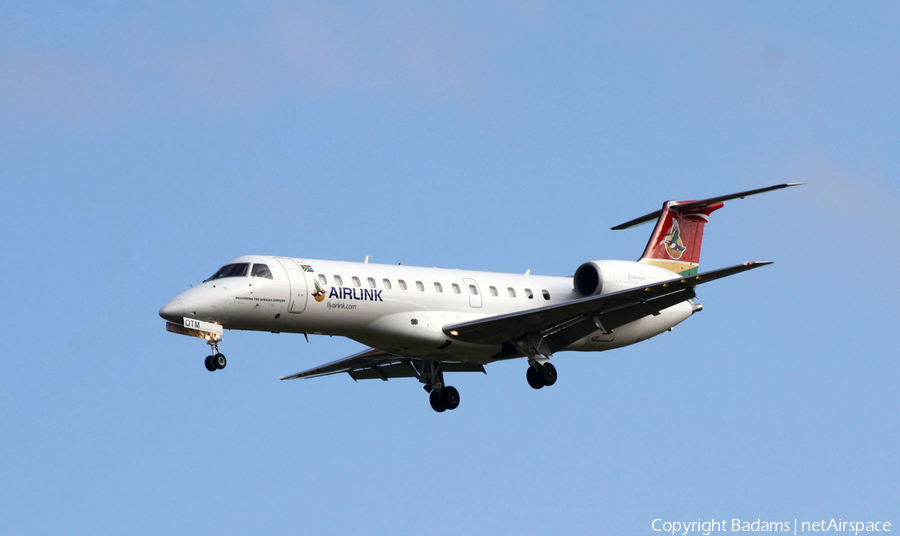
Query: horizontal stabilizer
690,206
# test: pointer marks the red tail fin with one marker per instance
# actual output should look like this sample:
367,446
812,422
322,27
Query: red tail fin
676,240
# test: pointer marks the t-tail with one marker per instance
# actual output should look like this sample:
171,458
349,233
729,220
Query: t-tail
676,239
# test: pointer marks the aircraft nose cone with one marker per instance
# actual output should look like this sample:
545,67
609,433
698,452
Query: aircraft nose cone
173,311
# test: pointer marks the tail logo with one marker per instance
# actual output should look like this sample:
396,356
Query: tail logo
319,294
672,240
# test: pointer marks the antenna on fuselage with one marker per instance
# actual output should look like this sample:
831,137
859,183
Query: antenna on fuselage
367,259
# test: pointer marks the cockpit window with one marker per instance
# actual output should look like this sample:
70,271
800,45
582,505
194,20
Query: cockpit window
231,270
261,270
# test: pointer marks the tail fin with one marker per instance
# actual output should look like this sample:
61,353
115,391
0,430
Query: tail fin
675,242
676,239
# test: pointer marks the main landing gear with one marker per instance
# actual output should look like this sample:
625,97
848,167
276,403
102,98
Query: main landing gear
539,375
442,396
540,372
215,361
444,399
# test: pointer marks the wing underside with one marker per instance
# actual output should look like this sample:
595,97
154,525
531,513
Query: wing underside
373,364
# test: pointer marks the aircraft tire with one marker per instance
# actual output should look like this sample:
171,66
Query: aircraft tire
219,361
532,376
437,403
450,397
547,374
210,366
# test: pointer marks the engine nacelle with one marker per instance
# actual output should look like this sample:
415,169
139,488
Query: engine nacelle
606,276
588,279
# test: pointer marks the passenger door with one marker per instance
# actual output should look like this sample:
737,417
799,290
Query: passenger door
297,279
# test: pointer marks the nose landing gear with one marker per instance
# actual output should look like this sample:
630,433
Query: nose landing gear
216,361
208,331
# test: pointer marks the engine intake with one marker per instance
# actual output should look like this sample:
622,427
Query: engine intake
588,279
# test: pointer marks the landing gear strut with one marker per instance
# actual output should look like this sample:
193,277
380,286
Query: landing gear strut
539,375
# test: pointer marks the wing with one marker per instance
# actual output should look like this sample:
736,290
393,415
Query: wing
369,360
562,324
373,364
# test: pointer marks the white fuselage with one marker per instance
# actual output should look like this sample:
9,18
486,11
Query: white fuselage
401,309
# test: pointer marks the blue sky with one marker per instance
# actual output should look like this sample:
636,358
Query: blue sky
144,144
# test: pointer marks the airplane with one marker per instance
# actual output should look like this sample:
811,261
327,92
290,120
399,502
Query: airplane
423,322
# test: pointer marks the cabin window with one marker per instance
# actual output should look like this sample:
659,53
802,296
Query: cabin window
546,294
261,270
455,288
474,290
231,270
493,291
356,282
438,287
338,281
323,279
371,282
387,283
529,294
420,286
512,292
402,284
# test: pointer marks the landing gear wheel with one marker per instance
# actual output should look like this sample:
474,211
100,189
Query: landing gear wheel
219,361
437,404
210,366
547,374
450,397
532,376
